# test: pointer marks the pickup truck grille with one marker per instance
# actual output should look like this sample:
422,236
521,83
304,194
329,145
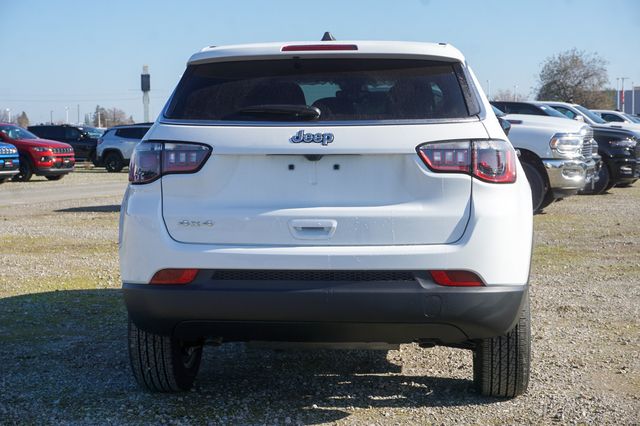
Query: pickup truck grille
587,149
62,150
295,275
638,150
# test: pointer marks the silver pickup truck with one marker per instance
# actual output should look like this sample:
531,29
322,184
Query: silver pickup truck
559,156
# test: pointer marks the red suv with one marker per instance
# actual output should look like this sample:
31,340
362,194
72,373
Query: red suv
39,157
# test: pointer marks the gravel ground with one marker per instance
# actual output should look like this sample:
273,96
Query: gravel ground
63,354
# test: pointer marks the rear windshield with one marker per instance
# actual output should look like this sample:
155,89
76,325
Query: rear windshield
323,90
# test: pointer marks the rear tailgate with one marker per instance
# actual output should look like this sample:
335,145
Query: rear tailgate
258,188
365,185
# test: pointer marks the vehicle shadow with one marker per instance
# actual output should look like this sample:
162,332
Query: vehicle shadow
113,208
64,351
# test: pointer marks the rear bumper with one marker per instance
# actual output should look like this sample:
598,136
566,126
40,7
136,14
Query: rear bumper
311,311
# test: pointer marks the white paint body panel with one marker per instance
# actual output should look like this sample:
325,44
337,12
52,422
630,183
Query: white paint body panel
415,219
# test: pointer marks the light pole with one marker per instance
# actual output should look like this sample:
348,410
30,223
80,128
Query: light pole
145,85
51,116
633,100
489,89
622,79
617,93
515,92
8,114
66,110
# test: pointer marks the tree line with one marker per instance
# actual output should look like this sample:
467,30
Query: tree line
573,76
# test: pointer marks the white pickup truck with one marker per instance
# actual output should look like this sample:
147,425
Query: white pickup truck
557,156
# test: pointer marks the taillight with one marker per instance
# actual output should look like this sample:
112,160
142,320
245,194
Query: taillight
488,160
456,278
151,160
174,276
446,156
494,161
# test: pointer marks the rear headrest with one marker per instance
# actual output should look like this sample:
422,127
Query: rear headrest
278,93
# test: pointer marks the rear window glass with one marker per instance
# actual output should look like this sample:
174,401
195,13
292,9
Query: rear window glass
132,132
341,89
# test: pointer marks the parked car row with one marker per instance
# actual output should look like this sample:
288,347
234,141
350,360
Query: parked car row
52,150
567,149
31,155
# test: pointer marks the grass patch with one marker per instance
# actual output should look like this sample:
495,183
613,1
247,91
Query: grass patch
547,254
29,245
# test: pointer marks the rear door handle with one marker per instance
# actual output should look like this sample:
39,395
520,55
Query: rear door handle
312,229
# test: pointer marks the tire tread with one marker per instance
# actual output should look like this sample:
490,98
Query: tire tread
155,362
501,364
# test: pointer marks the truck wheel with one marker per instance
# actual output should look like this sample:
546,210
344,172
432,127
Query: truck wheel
26,170
538,186
501,364
54,177
604,182
113,162
162,363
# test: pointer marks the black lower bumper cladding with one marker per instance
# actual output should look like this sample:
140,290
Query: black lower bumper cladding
324,306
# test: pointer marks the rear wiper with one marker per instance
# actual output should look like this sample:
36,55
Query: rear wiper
278,112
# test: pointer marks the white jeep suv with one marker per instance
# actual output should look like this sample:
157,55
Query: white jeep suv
330,193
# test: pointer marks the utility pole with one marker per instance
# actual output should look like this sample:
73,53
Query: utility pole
618,93
145,85
51,116
633,99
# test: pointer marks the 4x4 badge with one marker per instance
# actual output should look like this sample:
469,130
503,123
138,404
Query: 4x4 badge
323,138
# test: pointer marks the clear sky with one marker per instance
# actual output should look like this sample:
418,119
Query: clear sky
63,53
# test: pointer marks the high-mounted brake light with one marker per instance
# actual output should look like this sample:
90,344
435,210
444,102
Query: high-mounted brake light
174,276
151,160
488,160
316,47
456,278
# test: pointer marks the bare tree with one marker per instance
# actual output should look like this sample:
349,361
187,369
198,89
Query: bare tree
4,116
507,95
110,117
574,76
23,120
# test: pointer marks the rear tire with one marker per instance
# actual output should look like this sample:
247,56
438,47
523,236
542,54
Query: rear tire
113,162
538,186
3,181
162,363
54,177
26,170
501,364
